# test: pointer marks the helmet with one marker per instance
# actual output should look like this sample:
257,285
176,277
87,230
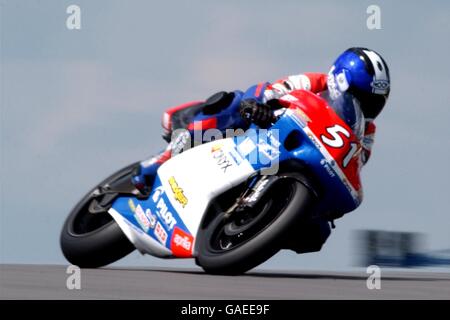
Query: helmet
364,74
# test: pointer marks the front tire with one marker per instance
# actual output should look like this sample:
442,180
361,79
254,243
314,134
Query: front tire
91,240
235,244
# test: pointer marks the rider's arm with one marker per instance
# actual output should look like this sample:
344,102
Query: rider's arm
265,91
315,82
256,97
367,141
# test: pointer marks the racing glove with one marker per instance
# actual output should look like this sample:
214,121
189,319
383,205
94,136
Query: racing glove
260,114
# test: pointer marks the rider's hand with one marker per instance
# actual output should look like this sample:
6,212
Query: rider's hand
259,113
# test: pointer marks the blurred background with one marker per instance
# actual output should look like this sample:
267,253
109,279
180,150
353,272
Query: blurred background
76,105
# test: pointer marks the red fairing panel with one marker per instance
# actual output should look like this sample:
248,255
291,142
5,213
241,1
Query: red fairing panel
341,144
167,116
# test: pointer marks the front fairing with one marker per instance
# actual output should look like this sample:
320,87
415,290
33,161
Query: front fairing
337,168
347,107
166,224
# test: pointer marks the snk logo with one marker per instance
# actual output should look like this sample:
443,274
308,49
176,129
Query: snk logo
221,159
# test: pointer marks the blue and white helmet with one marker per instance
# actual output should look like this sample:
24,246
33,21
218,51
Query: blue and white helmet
363,73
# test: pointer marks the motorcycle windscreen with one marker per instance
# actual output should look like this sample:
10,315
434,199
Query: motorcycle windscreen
348,109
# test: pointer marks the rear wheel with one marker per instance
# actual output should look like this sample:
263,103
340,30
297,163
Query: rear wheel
236,242
90,237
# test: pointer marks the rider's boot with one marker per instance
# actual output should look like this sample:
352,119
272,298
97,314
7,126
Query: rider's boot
144,173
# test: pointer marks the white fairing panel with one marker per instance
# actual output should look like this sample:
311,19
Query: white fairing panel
142,241
194,177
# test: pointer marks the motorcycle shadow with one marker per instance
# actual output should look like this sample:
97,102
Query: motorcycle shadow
281,274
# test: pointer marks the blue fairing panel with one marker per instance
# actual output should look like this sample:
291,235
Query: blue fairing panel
155,216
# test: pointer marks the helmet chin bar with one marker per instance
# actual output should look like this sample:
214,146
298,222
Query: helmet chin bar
371,103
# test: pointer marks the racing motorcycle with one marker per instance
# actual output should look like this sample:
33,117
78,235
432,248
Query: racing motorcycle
220,203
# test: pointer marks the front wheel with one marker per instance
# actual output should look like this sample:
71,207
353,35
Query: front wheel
237,242
90,238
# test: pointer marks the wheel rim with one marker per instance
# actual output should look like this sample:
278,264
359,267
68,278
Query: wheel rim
87,222
240,228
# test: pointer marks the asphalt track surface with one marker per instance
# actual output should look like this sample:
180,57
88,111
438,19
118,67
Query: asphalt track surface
49,282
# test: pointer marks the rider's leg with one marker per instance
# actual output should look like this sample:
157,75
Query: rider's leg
310,236
196,117
144,174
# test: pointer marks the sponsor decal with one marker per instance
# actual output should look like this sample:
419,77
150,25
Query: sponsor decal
162,211
342,81
246,147
178,193
254,196
181,243
237,158
131,205
166,216
347,185
302,115
327,167
314,140
270,150
151,217
296,118
160,233
273,140
157,193
141,218
380,86
222,160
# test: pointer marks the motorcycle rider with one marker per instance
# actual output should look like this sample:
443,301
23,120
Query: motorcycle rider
358,72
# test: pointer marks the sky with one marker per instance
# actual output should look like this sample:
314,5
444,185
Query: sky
76,105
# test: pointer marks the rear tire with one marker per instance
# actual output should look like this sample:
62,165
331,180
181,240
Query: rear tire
94,240
229,247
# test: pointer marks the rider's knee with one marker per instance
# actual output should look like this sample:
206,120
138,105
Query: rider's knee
310,236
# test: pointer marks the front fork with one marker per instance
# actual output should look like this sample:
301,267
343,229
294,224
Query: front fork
258,187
